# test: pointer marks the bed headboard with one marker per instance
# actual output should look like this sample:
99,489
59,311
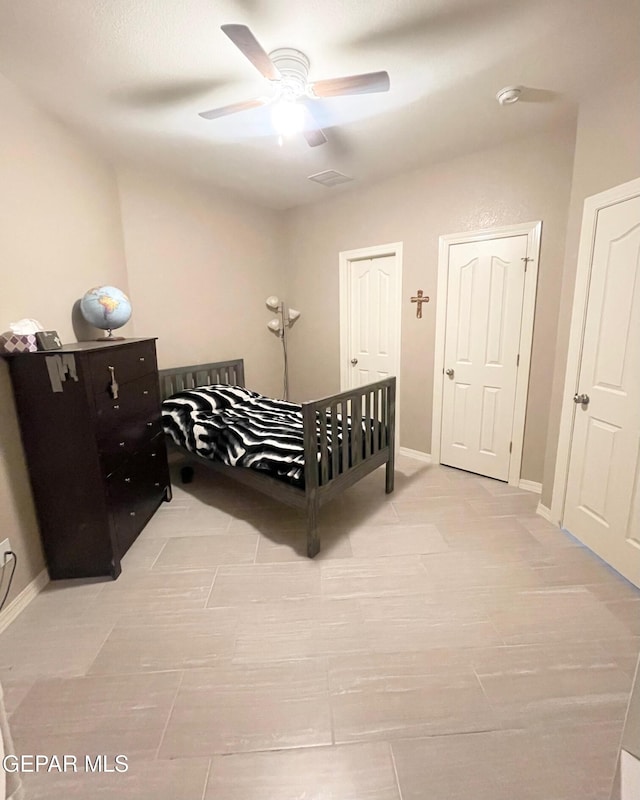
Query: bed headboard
177,379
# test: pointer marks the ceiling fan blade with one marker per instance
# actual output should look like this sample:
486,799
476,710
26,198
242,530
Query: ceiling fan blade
249,46
223,111
312,132
352,84
314,136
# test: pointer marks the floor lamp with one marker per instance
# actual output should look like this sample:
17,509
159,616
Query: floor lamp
279,326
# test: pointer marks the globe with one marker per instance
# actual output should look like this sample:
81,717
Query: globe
106,307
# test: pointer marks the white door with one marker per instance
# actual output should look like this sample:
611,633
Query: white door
373,292
485,291
371,334
602,505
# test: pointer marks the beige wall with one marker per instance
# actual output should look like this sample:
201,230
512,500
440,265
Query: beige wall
523,181
60,234
607,154
200,268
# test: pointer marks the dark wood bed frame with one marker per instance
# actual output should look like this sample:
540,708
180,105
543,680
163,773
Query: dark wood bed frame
327,473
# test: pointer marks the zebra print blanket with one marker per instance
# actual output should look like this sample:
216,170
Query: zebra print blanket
238,427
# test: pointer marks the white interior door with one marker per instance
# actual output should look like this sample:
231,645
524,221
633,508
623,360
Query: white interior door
484,306
602,505
370,297
373,330
370,330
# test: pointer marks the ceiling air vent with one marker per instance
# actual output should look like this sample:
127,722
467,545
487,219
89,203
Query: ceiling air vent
330,177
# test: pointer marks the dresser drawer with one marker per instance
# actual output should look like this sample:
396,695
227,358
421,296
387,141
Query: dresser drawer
137,400
118,445
136,490
128,364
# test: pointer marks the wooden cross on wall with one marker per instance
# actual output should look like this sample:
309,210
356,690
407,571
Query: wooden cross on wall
419,300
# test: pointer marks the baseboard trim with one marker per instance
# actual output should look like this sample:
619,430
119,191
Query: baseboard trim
530,486
19,603
544,512
417,454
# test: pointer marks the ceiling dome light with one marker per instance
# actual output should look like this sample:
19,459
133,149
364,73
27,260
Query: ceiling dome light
287,117
508,95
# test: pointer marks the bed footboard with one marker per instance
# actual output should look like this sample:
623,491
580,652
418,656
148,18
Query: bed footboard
356,435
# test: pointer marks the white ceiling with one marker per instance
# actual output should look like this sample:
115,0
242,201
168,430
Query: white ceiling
131,75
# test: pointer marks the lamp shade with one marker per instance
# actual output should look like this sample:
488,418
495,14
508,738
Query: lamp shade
293,314
273,302
274,325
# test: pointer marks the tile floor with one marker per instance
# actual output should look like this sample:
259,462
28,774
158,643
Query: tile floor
447,643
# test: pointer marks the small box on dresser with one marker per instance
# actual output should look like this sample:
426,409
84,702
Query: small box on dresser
90,422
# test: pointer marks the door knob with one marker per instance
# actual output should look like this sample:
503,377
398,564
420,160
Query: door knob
354,361
450,372
581,399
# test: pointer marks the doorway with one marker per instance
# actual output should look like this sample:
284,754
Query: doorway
484,330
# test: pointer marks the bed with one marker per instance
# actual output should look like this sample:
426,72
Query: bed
342,439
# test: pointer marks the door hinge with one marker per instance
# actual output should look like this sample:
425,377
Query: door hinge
510,446
518,360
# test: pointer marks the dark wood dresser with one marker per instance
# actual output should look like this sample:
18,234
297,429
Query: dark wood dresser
91,428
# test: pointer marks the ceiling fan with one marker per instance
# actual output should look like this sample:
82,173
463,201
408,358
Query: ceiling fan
288,70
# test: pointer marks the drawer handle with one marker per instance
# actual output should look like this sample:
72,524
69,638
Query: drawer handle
146,391
114,383
153,455
127,480
141,358
117,406
156,484
122,444
132,513
149,424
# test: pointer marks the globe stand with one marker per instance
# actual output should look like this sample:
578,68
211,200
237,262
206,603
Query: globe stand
110,337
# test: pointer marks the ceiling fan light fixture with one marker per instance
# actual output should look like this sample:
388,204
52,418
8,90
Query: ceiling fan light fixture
288,71
287,117
508,95
294,68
